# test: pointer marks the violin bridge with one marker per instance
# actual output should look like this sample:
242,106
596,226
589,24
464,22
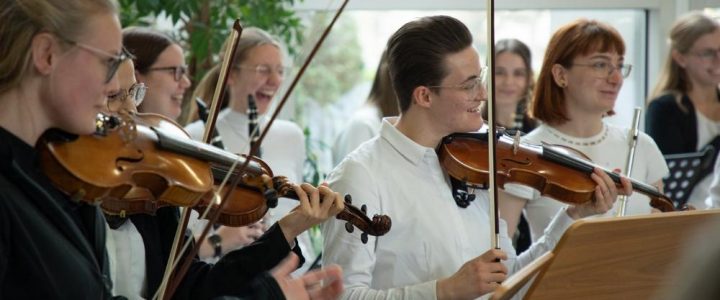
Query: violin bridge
516,142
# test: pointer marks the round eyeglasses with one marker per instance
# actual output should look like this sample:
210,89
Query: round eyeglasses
136,93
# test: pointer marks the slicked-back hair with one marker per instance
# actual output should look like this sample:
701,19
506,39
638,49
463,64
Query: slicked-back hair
417,52
580,37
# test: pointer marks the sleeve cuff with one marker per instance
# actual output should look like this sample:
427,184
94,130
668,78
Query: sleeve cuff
558,225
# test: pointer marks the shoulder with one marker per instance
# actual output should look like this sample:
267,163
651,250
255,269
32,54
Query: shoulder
286,128
195,129
664,104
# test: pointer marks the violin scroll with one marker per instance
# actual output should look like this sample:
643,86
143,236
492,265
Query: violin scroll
378,226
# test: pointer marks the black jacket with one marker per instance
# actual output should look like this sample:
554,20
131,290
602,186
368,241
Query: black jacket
674,130
240,273
50,247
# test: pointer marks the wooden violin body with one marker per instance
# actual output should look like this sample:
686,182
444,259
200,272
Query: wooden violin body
555,171
148,161
124,169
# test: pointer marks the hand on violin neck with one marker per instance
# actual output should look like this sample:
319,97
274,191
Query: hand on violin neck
606,194
477,277
312,209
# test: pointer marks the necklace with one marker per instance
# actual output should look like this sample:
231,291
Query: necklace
585,142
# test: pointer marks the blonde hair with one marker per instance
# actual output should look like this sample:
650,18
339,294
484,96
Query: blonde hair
251,38
684,33
21,20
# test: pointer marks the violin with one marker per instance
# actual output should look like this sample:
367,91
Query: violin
148,161
556,171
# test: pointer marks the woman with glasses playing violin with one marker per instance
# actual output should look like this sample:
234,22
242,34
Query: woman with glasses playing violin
57,67
141,243
257,72
579,82
684,113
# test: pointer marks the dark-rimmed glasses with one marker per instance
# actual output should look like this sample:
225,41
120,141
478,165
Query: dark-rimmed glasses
265,70
177,71
136,93
470,86
604,69
113,60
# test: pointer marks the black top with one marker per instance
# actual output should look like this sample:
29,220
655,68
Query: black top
50,247
240,273
673,129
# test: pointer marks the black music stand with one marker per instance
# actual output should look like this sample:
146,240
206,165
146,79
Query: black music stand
687,169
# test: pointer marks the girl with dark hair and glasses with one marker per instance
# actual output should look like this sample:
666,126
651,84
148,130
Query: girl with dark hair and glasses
58,61
160,65
579,82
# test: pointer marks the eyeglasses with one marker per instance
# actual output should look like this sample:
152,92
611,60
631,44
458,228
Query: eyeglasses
265,70
470,87
136,93
178,71
604,69
113,60
707,54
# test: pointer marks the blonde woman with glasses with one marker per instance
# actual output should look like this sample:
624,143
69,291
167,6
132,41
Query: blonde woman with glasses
684,111
58,60
258,71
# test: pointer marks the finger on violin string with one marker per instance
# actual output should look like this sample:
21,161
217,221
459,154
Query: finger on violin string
302,195
627,188
313,193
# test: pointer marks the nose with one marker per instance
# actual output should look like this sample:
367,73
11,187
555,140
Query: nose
481,94
185,81
275,78
615,75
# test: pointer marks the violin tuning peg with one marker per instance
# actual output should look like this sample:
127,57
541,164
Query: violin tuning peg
348,199
364,238
363,208
349,227
271,197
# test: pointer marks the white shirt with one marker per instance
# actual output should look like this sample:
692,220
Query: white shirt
611,153
431,237
713,199
364,125
126,256
283,150
707,131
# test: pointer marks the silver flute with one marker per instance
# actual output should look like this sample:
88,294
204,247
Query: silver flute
633,139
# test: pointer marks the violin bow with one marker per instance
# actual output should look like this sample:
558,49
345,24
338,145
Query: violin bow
207,136
215,214
492,128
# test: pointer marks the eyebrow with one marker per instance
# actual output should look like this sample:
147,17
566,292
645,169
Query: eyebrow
605,56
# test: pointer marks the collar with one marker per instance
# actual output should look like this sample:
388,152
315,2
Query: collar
408,148
14,149
239,121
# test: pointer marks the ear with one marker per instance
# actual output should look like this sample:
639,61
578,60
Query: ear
679,58
140,77
44,50
232,77
421,96
559,74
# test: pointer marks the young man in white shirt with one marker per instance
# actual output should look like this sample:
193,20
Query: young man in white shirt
435,249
